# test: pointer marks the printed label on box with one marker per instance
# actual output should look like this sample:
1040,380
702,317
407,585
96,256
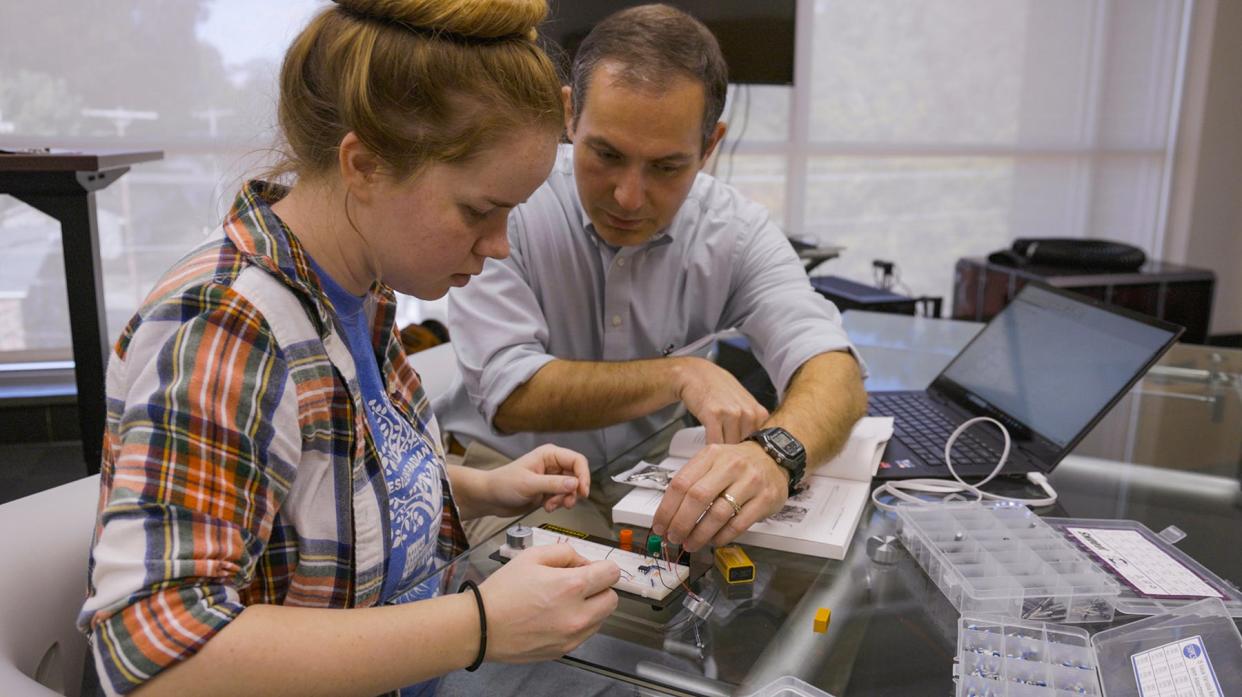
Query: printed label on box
1178,669
1142,565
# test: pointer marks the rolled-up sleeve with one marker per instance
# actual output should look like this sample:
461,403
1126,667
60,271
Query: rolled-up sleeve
773,304
203,446
499,330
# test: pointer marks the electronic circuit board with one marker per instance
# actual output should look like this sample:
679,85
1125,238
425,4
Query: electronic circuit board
644,577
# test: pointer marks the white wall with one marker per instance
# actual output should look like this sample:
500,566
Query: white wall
1205,224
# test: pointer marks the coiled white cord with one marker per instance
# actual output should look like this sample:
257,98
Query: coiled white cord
951,491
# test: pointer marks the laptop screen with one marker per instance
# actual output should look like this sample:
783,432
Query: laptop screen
1053,362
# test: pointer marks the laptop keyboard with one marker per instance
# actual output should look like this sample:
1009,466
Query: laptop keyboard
924,429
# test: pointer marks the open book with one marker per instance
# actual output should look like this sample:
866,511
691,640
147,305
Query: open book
819,521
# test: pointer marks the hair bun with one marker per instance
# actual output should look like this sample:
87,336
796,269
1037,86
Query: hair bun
477,19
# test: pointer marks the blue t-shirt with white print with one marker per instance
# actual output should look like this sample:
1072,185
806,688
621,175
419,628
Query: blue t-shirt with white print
411,470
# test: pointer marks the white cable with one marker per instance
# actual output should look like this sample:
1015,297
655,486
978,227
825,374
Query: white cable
952,490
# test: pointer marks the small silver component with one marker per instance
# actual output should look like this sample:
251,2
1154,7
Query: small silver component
519,536
697,606
883,549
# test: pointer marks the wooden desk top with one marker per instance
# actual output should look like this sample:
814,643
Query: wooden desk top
76,161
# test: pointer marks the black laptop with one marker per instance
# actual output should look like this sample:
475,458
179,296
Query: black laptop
1049,366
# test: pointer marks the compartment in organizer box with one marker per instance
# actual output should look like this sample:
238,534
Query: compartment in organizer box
999,657
1001,558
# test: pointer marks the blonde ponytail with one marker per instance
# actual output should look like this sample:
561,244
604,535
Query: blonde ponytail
418,81
479,19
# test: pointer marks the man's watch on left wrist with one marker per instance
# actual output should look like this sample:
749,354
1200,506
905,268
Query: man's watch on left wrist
787,451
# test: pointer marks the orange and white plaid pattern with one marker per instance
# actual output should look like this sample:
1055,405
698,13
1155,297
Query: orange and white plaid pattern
238,465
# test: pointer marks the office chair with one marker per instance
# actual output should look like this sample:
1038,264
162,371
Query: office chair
44,541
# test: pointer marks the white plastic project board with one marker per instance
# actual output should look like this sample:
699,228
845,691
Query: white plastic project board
641,574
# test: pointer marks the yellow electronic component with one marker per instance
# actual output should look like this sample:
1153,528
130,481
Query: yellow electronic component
822,616
734,566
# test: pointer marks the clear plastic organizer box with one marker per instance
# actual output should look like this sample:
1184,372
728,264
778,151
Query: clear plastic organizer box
1001,559
1134,602
1194,649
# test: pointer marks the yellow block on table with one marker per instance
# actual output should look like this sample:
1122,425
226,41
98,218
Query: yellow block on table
822,616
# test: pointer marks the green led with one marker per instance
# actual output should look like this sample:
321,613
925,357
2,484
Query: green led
653,545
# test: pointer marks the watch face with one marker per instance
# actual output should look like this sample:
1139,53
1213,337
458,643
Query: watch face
782,446
783,441
780,440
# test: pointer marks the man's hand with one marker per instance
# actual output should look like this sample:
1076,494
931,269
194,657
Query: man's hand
548,475
727,411
694,510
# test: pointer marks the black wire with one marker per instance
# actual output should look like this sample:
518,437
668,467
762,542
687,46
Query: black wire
741,131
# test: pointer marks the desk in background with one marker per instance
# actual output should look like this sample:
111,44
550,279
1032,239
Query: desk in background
1179,294
814,254
63,185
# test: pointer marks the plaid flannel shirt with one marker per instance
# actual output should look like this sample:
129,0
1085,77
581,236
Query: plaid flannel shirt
233,471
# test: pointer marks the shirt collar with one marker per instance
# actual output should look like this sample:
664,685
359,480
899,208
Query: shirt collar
256,231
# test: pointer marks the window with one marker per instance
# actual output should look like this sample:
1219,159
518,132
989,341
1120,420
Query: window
919,132
194,78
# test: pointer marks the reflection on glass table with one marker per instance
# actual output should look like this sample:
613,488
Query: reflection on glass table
1186,414
892,631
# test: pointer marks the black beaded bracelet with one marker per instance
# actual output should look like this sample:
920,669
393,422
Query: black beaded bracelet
478,598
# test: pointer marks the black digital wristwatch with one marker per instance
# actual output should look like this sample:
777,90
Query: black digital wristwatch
781,446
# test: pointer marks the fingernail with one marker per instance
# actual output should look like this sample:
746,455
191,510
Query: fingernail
659,530
673,539
571,484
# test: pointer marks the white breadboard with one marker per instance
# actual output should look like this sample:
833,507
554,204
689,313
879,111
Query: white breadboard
642,575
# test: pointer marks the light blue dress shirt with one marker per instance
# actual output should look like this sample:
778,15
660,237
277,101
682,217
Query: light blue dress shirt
565,293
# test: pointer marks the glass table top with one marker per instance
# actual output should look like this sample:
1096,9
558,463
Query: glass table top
892,632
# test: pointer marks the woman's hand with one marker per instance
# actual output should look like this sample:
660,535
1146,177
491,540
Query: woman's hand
548,475
545,602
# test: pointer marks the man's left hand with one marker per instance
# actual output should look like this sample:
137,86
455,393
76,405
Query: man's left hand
696,511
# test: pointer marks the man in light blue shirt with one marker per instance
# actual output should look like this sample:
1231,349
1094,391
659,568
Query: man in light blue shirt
627,254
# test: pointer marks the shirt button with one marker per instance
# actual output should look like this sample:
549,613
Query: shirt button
621,261
616,320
